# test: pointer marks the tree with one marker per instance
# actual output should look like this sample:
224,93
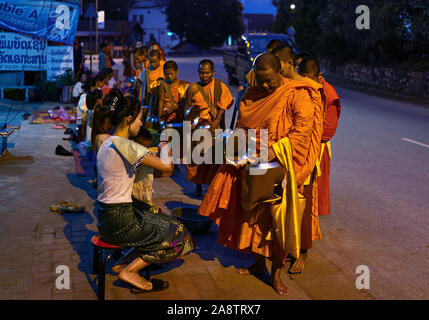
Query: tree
303,18
399,29
205,23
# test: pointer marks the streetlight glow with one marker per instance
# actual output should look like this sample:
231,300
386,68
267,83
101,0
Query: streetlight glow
292,6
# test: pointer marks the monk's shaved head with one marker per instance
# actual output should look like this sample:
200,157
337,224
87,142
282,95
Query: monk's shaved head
300,56
287,57
170,64
267,69
273,44
206,71
284,53
309,66
266,61
206,62
155,53
141,51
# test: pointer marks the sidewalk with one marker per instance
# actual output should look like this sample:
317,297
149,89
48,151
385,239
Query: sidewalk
35,241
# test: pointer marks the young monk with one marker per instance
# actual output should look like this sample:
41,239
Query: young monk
172,94
284,107
310,230
213,98
141,58
149,80
310,68
156,46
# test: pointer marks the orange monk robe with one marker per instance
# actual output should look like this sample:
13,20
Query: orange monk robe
288,111
155,78
306,176
251,78
156,74
178,93
204,173
225,102
330,124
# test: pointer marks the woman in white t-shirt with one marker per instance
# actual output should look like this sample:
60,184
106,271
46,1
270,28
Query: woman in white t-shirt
153,237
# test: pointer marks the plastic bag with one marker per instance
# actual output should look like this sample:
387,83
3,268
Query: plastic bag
62,114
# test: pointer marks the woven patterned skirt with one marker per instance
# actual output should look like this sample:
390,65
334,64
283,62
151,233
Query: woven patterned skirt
155,237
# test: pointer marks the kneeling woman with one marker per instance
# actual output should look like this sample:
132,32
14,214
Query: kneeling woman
154,237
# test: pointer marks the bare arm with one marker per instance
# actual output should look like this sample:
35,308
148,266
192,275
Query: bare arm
157,164
192,90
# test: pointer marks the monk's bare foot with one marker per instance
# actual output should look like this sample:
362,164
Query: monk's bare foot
279,287
118,268
253,269
299,264
135,279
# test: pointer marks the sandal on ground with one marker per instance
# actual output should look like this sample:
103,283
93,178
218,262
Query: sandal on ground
157,285
55,208
69,131
60,151
71,209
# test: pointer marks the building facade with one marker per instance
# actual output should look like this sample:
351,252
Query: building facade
150,14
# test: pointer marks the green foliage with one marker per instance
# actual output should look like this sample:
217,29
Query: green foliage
399,29
65,79
303,18
205,23
51,90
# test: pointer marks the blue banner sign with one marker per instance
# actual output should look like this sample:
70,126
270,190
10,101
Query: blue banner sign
18,52
22,53
52,20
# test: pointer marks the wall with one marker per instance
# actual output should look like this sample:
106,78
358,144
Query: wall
398,80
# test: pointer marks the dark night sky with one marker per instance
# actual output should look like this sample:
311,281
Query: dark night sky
259,6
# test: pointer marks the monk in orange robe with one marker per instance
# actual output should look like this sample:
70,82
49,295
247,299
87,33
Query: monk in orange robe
156,46
310,68
310,229
285,108
172,94
150,77
141,60
203,95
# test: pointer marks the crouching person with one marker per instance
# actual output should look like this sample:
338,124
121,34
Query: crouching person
154,238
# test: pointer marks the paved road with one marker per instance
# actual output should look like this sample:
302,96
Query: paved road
380,188
380,176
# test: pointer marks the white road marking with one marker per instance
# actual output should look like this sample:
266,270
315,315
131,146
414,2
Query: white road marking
416,142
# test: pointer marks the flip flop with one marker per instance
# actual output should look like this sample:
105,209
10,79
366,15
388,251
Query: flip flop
157,285
69,131
71,209
55,208
59,126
